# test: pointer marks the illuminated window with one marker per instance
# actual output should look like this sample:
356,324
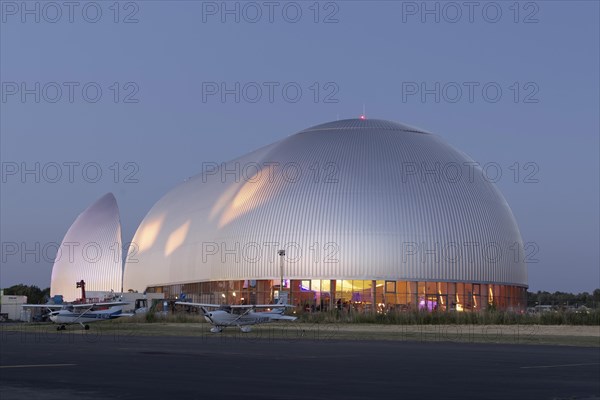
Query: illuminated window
315,286
460,296
431,287
411,291
390,286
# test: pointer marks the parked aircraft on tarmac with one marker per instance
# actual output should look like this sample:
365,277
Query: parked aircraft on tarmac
241,316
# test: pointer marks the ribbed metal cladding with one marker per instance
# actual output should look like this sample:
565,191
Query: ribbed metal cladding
90,250
351,199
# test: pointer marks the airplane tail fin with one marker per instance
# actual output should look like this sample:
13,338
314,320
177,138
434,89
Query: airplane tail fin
281,301
283,298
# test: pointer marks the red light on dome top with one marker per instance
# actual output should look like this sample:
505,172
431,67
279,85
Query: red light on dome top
363,117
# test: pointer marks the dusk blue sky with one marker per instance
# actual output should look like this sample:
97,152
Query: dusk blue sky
371,55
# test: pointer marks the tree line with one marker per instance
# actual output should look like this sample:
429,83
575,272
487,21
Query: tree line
563,299
34,294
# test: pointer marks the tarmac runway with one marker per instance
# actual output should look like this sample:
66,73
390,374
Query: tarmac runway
85,365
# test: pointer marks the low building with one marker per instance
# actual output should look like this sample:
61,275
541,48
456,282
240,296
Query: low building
11,307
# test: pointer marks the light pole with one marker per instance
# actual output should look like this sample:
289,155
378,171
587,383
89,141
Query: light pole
281,254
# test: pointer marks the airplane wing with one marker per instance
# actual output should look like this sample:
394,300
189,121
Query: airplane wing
263,306
184,303
283,317
242,306
56,306
108,304
234,305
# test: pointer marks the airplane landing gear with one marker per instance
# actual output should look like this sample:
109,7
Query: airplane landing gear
245,329
61,328
216,329
86,327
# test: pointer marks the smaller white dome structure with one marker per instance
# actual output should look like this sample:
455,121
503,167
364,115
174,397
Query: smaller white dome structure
90,251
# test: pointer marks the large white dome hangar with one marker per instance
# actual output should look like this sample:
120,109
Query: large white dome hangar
367,211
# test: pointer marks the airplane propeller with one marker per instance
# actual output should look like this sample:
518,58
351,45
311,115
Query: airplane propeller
206,314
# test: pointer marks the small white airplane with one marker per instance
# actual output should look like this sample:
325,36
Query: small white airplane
82,314
240,315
